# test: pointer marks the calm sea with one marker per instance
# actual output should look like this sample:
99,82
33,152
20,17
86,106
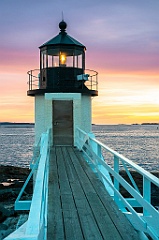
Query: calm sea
140,143
16,145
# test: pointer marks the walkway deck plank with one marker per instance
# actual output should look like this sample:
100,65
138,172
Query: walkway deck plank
78,205
70,217
55,220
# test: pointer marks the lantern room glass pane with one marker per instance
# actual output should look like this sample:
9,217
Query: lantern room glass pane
56,61
69,61
44,60
79,61
50,61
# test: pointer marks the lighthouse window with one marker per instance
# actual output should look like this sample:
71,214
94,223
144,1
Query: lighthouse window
69,61
79,61
50,61
56,61
44,58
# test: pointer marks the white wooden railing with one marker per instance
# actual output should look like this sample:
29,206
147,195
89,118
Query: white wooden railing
36,226
146,221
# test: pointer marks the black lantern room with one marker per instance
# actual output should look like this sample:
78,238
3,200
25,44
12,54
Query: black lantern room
62,67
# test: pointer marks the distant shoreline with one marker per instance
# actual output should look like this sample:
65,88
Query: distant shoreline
125,124
93,124
146,124
22,125
15,123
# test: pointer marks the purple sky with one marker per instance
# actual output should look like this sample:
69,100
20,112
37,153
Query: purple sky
107,28
131,27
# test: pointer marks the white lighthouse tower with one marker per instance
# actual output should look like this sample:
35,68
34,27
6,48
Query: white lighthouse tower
63,89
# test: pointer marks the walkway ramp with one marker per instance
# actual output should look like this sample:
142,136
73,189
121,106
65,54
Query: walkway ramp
78,205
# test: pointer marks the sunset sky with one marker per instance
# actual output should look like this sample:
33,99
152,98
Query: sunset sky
122,40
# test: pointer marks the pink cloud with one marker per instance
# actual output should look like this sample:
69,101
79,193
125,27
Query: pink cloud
17,60
123,61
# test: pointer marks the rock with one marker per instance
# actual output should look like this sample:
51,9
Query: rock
2,186
11,182
12,171
3,226
12,177
2,218
5,233
11,224
4,213
9,194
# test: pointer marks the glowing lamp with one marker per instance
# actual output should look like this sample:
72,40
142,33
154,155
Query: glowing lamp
63,60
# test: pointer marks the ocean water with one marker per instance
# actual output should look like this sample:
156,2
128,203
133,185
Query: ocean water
16,145
139,143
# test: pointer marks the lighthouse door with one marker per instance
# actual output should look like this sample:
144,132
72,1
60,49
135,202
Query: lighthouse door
62,123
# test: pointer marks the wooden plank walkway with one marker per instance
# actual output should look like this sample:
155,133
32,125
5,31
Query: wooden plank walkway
78,205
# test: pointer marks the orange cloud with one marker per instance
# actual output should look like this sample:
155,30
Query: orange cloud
126,99
14,104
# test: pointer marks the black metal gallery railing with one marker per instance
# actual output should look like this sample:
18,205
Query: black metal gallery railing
44,80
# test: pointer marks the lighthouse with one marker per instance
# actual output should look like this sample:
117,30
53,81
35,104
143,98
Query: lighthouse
63,89
69,182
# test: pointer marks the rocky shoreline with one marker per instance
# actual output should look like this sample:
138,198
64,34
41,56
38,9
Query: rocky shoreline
11,182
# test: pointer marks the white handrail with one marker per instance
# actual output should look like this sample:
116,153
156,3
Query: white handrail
36,220
144,222
36,225
139,169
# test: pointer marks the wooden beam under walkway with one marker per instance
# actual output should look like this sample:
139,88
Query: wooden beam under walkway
78,205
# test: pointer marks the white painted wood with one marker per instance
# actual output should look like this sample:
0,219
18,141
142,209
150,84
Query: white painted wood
34,220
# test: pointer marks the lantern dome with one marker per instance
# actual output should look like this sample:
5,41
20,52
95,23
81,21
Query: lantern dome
62,38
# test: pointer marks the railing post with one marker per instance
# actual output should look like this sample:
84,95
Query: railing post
31,79
99,151
94,148
78,139
99,154
146,193
116,182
